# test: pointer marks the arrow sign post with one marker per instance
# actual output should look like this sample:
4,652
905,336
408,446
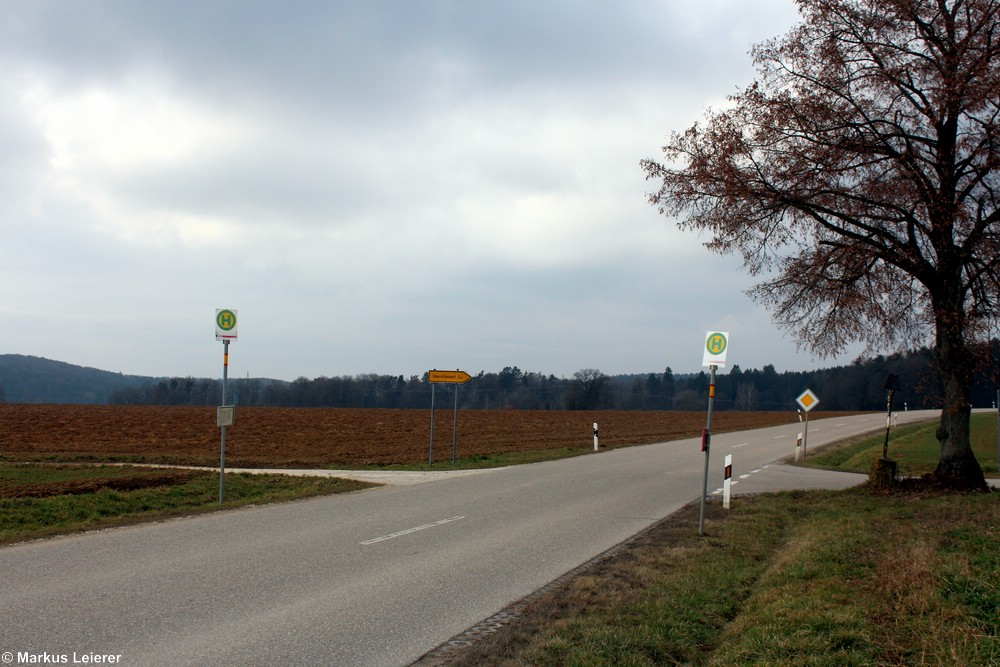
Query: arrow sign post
446,377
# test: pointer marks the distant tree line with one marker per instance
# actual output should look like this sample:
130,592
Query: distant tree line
29,379
859,386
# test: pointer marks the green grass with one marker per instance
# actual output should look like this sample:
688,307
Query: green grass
798,578
442,460
818,578
915,448
24,518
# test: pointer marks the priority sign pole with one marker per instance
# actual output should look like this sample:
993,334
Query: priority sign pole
807,400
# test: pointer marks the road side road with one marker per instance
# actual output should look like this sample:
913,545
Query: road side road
376,577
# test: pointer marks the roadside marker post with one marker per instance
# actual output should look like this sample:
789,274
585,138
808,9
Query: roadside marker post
446,377
595,436
225,330
716,349
728,484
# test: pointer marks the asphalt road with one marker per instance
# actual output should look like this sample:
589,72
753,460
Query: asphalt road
377,577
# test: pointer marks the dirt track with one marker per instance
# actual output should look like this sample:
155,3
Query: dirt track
293,437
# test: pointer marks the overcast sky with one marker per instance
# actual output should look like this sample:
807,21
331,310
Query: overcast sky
375,187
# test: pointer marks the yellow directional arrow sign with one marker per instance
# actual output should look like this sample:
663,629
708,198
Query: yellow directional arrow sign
452,377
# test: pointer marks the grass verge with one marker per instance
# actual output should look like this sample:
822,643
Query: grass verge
797,578
494,460
914,448
44,500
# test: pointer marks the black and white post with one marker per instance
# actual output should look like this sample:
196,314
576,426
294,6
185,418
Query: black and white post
728,484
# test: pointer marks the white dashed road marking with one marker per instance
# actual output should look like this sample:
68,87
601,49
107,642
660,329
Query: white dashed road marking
411,530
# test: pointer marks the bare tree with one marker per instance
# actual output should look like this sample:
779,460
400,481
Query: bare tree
746,397
858,178
588,390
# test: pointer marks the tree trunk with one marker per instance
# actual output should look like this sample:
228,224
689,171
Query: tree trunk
957,467
883,473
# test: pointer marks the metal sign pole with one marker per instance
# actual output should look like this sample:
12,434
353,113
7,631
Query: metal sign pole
454,430
805,437
430,459
807,401
707,446
222,450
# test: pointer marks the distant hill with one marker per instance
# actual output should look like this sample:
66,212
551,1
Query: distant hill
27,379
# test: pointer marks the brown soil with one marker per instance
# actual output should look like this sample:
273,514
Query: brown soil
304,437
131,480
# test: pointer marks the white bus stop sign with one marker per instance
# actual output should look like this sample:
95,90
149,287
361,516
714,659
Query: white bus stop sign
225,324
716,347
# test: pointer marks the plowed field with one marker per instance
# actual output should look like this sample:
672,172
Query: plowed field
325,437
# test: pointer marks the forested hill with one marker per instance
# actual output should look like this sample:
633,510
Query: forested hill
26,379
858,386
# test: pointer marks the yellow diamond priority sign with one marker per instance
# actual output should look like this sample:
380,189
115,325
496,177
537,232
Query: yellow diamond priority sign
807,400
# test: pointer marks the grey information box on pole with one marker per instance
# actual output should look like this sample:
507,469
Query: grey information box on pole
226,415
